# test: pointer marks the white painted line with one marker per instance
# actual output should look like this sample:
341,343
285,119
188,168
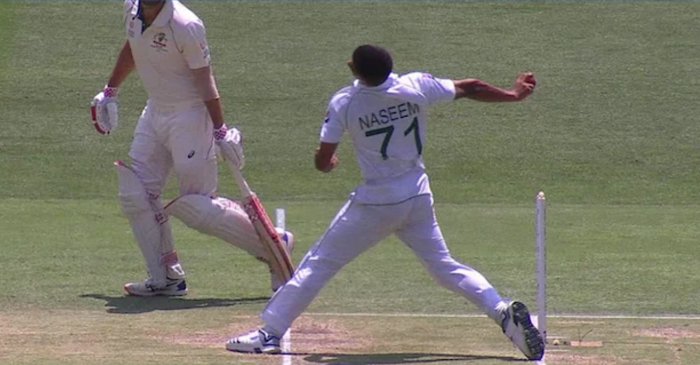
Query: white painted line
286,340
536,322
286,345
692,317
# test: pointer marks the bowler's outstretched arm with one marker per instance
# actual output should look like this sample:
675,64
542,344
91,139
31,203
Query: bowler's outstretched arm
476,89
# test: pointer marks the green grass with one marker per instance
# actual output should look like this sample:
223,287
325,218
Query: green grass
607,124
610,135
599,263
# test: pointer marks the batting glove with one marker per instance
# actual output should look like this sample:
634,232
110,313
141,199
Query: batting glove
104,110
230,143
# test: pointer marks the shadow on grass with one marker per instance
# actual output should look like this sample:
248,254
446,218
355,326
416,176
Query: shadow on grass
132,305
400,358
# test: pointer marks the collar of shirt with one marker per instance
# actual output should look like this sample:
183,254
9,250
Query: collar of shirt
391,80
165,14
392,87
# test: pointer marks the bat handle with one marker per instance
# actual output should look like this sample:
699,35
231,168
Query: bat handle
240,180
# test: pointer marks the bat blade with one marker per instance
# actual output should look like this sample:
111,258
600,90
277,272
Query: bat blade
279,256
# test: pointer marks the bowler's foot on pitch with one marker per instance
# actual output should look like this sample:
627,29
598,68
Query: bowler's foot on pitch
256,342
173,288
288,239
518,327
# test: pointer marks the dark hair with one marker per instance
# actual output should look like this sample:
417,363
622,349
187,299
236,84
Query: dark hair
372,63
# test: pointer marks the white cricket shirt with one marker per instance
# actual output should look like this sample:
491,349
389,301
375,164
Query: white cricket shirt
387,125
167,51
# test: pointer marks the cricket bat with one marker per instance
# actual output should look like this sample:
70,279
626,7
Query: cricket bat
279,257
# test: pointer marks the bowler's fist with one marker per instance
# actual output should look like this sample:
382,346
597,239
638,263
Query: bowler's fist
530,78
333,163
525,85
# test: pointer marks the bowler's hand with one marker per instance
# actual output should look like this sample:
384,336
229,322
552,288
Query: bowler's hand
230,143
525,85
105,110
325,158
332,164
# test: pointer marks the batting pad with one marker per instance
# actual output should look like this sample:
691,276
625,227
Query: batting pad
148,223
219,217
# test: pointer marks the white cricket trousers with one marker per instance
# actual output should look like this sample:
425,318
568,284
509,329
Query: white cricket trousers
178,138
167,138
358,227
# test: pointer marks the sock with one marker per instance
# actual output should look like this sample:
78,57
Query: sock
271,331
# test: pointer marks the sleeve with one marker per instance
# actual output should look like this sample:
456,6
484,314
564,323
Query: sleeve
333,125
436,90
195,47
128,6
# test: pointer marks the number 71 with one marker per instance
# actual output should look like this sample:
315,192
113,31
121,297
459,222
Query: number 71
389,131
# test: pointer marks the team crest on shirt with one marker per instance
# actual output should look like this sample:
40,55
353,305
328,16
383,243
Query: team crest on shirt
160,42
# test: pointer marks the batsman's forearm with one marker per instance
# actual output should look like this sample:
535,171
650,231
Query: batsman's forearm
206,85
216,112
123,67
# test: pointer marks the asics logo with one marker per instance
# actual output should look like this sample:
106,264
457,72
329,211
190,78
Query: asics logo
267,338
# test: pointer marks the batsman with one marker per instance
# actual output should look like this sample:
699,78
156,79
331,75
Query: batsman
180,131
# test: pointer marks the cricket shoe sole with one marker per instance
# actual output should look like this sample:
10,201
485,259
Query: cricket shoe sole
518,327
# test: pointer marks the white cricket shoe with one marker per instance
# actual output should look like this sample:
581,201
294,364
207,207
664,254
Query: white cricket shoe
518,327
287,238
173,288
257,342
